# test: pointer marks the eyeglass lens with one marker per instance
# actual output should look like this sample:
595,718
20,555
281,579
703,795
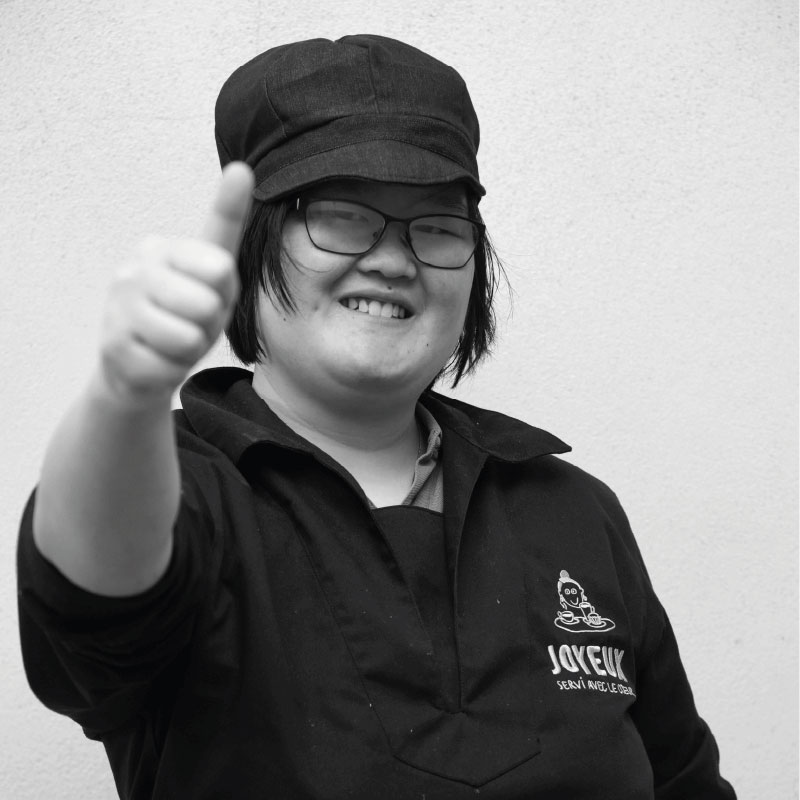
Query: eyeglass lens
340,226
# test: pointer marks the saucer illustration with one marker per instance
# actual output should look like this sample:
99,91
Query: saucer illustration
577,614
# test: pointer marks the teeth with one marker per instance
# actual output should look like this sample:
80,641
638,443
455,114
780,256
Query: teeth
375,308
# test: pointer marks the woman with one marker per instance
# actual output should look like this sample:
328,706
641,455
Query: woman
322,579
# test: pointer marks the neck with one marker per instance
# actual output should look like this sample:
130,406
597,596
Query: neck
362,422
376,442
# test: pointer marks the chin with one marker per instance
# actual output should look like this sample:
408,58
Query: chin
387,378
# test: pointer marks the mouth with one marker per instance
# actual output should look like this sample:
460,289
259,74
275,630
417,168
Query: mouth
376,308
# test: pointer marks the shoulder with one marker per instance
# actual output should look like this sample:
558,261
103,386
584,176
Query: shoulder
513,440
190,441
210,480
529,469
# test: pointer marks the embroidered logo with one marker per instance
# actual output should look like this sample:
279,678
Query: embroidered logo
590,667
577,614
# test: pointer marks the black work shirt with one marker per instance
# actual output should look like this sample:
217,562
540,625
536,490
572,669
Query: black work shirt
304,645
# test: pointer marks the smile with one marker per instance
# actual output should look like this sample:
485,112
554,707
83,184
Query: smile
375,308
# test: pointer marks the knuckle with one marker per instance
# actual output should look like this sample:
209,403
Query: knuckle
219,257
193,345
211,306
196,340
223,269
203,261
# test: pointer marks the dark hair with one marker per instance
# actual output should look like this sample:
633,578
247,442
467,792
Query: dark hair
261,269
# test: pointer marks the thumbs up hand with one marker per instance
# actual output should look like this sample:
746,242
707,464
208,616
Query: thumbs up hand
168,305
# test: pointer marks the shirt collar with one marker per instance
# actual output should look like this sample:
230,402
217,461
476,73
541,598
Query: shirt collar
499,436
432,433
221,406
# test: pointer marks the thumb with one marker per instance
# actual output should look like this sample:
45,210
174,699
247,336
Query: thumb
224,223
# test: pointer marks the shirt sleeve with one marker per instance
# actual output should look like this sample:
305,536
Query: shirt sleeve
95,658
682,750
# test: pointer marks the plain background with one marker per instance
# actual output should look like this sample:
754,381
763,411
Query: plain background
641,164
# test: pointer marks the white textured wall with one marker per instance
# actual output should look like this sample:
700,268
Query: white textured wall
641,164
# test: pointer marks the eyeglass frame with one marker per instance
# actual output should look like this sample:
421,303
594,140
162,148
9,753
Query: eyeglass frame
302,202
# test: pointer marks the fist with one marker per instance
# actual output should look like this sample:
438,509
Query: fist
169,303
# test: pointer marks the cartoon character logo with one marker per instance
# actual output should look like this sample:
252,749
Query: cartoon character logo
577,614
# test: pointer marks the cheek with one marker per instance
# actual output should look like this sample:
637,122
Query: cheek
294,236
270,318
309,273
456,301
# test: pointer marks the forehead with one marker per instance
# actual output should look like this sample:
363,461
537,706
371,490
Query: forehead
392,195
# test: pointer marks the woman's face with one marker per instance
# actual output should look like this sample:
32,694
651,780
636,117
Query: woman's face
343,337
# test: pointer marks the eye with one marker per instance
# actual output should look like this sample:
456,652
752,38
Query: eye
442,226
338,214
433,230
347,215
332,212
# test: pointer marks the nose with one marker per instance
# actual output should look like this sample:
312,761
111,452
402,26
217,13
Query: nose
392,256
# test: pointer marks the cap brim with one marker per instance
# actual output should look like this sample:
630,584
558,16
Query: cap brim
383,160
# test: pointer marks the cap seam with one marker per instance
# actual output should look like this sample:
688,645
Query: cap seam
375,102
306,156
272,109
379,137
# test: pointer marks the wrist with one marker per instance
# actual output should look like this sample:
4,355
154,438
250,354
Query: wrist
114,394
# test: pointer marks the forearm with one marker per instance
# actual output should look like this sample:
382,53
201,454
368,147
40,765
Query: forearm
110,486
109,493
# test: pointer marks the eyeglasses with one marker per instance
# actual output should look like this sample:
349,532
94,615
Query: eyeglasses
445,241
